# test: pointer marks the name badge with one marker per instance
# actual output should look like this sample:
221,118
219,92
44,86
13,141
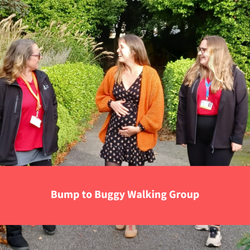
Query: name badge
35,121
206,105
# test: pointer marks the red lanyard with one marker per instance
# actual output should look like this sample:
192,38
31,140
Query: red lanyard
38,106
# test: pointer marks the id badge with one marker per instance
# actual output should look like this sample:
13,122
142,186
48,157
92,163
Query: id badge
35,121
206,104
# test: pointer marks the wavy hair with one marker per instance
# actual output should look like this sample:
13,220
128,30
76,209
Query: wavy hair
219,66
15,59
137,46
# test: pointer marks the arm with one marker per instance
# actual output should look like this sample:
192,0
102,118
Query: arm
181,117
2,97
54,101
105,99
153,117
241,110
104,92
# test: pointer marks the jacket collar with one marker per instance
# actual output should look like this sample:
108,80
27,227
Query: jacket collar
40,75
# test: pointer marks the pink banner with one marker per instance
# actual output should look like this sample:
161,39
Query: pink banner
125,195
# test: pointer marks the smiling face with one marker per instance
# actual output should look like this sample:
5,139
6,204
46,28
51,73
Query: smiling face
204,53
125,54
33,61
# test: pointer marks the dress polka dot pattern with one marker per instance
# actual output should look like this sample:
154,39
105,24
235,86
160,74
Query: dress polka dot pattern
118,148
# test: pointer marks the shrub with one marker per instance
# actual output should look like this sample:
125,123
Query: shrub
172,80
76,86
52,57
56,41
68,131
245,242
59,45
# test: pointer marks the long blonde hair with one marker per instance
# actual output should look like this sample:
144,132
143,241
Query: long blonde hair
137,46
15,59
219,66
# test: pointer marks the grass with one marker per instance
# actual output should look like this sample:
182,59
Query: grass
9,32
57,42
59,45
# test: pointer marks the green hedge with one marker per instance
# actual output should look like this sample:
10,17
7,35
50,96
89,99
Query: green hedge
172,80
76,85
68,130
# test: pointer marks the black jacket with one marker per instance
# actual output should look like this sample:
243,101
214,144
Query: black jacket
10,113
231,119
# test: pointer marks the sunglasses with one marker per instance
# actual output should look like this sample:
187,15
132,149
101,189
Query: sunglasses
38,56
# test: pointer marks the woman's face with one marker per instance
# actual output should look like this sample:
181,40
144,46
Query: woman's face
203,53
124,52
33,62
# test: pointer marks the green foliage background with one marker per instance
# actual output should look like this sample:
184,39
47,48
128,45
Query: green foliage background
227,18
8,7
68,130
75,86
172,80
88,14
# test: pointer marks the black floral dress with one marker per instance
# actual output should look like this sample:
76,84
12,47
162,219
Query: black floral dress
118,148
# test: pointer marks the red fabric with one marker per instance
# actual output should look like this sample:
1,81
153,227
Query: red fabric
214,98
29,136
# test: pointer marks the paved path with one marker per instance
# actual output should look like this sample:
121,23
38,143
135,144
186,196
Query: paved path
87,153
107,237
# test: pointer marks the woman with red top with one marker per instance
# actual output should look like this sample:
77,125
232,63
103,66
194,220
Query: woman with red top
28,117
212,112
132,94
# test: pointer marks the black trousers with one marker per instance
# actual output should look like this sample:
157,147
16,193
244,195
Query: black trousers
41,163
201,154
13,230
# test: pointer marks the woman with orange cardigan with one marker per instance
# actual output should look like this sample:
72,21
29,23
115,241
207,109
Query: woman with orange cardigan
132,94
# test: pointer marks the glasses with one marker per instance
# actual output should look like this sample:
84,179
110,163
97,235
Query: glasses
202,50
38,56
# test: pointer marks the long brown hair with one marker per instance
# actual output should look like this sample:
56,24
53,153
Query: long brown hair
15,59
220,65
137,46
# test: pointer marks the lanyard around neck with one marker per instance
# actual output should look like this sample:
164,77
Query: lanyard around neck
207,88
38,106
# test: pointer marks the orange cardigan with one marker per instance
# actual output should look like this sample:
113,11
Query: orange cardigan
150,109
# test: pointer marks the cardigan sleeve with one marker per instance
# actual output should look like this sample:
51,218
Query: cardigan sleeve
104,92
153,117
241,108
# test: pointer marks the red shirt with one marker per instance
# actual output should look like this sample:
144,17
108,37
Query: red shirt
28,135
214,98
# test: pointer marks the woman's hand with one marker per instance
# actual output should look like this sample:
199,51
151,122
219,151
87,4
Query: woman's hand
236,147
127,131
183,145
118,107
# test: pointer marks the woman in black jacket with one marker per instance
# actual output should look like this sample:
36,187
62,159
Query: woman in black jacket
212,112
28,117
